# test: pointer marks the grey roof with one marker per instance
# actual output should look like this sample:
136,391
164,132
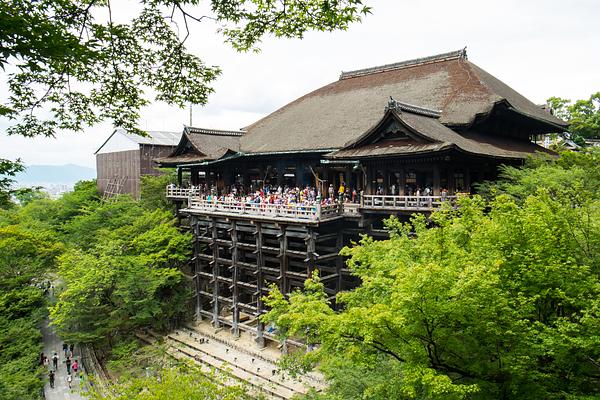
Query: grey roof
157,138
199,144
339,112
436,137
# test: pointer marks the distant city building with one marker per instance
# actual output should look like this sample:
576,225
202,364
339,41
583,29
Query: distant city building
123,158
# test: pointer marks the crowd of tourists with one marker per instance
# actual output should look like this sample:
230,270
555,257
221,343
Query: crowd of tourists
71,364
278,195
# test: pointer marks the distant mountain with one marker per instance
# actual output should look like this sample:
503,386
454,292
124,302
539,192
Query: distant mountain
60,174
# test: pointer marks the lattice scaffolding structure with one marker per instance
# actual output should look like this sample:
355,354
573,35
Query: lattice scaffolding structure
114,187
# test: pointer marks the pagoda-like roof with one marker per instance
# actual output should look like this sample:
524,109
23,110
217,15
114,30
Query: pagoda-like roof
199,145
335,114
408,130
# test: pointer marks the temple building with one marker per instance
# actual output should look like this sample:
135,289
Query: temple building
273,202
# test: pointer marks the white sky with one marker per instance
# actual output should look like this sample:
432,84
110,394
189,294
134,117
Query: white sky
541,48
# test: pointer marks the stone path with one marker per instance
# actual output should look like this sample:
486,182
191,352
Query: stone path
61,389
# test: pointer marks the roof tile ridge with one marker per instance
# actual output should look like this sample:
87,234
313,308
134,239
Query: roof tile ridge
216,132
453,55
396,105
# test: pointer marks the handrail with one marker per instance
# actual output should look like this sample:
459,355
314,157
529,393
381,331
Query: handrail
375,201
311,212
181,193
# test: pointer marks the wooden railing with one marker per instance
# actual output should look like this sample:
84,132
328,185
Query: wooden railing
174,192
409,203
313,212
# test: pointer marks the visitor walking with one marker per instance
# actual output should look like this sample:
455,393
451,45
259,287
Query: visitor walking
51,378
69,380
68,363
75,367
71,347
55,360
65,349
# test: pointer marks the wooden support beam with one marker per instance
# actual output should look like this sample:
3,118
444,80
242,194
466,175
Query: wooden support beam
197,266
339,262
235,291
311,245
215,266
260,340
283,260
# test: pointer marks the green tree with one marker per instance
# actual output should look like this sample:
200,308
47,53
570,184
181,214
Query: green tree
25,260
583,116
76,60
493,300
179,383
153,193
8,169
122,273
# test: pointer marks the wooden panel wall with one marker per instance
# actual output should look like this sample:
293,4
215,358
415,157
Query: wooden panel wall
118,165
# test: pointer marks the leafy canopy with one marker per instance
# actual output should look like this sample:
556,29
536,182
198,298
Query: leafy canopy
78,61
583,116
492,300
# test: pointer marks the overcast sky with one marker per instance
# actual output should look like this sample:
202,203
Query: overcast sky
539,48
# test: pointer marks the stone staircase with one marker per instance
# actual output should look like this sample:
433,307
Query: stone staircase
237,360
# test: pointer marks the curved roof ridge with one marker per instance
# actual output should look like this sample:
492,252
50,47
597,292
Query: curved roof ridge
221,132
453,55
402,106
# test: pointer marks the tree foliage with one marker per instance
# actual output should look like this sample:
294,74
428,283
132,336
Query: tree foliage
182,382
81,63
121,271
26,257
491,300
8,169
583,116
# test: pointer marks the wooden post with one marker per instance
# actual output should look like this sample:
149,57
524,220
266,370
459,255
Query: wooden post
339,262
310,251
402,182
234,280
215,262
260,340
283,260
196,227
436,180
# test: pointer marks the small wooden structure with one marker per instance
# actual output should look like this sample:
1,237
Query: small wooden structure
123,158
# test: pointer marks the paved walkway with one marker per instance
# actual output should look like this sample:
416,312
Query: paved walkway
61,389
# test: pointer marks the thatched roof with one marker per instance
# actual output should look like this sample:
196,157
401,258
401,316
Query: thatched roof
422,132
198,145
337,113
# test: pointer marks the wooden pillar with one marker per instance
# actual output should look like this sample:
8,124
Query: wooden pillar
402,182
386,180
467,179
196,261
234,280
179,177
436,180
369,183
339,262
311,247
284,282
215,263
260,340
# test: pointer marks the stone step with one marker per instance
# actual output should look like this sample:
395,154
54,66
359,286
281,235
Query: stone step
206,332
265,370
181,350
